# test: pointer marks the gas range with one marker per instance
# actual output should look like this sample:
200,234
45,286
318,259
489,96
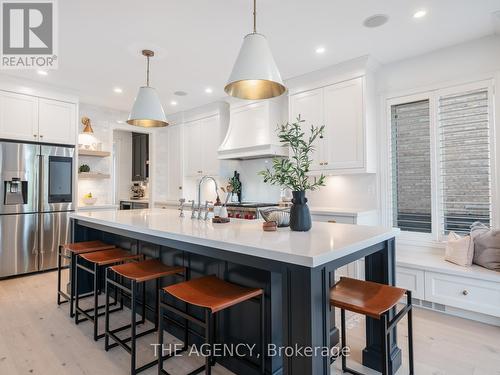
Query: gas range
247,210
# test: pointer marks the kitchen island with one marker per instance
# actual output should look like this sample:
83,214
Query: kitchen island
295,269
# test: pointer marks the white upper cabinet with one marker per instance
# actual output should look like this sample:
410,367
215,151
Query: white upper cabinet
347,146
344,130
174,163
192,148
29,118
309,105
210,144
201,142
56,122
18,116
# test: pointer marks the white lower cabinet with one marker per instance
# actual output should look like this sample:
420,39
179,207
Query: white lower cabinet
412,280
464,293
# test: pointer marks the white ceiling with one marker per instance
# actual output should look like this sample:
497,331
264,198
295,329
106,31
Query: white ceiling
197,40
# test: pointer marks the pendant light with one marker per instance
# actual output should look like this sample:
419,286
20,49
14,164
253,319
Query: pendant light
147,111
255,74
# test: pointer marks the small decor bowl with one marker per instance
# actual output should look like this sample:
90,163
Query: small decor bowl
279,215
89,201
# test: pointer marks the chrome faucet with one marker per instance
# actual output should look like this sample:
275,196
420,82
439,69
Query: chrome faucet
203,179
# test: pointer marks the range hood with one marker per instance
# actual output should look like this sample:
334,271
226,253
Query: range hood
252,131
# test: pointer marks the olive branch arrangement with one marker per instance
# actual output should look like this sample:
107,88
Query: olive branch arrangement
292,172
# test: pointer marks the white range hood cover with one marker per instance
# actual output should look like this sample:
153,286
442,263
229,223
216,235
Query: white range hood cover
252,132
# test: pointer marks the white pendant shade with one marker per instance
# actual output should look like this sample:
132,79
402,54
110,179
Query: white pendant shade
147,110
255,74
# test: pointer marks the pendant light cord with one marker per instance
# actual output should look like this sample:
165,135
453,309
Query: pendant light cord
255,16
147,72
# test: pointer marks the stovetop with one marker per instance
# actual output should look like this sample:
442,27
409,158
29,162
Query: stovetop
251,204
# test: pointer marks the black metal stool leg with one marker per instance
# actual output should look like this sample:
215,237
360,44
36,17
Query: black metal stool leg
143,313
133,327
72,286
384,345
59,275
96,301
106,314
343,339
160,333
208,324
410,334
263,333
74,295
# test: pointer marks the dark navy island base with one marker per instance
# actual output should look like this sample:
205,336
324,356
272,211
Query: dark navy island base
297,298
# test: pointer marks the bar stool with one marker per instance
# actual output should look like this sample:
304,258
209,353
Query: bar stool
214,295
376,301
98,260
136,273
69,251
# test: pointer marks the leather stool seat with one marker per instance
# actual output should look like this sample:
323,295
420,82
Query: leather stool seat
365,297
146,270
111,256
212,293
86,247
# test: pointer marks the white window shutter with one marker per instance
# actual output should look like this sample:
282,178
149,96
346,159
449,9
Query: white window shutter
465,160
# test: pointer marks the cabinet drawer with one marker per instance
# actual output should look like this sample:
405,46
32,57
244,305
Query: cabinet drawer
412,280
469,294
336,219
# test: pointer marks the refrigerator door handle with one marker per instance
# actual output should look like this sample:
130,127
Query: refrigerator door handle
42,181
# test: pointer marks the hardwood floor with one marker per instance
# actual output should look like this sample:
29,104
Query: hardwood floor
37,337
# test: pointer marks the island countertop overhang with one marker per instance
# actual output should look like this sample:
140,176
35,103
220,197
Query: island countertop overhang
324,243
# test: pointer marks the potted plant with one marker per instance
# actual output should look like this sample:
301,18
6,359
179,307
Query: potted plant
234,187
292,172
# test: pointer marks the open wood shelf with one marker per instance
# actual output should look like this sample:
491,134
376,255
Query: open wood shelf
99,154
89,175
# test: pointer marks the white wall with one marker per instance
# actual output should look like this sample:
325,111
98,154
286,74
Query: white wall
463,62
103,120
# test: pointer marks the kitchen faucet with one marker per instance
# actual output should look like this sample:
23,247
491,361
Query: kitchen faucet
203,179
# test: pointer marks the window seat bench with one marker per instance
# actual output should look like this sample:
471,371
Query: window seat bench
445,286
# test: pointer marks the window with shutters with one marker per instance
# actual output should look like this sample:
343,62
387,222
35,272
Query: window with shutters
441,160
411,166
465,160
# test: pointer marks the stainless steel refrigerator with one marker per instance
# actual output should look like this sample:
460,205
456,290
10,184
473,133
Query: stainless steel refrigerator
36,196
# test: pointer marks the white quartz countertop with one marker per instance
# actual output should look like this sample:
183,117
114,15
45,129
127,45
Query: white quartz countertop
325,242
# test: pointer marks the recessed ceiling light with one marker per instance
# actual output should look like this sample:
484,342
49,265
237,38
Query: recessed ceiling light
320,50
419,13
180,93
208,90
173,102
376,20
118,90
42,72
